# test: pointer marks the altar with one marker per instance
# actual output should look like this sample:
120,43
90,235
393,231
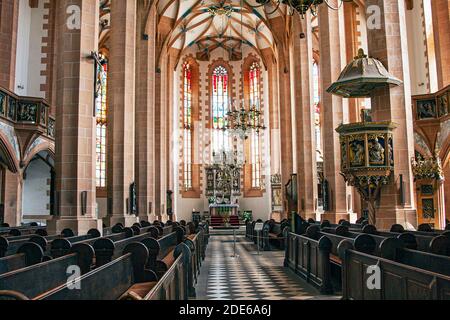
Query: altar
223,210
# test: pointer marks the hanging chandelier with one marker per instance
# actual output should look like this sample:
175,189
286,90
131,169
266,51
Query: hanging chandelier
299,6
242,121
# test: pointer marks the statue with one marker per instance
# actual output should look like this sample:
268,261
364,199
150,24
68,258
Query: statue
357,158
425,110
443,105
376,152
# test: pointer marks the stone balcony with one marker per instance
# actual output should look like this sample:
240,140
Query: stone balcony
26,127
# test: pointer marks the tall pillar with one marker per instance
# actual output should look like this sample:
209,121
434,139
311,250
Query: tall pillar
145,93
441,26
332,55
304,118
389,44
284,90
121,97
9,17
75,121
13,197
169,132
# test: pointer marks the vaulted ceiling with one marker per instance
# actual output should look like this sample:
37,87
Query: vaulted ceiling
207,25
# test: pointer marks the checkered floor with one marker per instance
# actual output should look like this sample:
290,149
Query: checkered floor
248,276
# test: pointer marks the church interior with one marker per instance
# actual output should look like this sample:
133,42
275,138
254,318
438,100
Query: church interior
224,149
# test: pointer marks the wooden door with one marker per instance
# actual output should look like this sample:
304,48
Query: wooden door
427,205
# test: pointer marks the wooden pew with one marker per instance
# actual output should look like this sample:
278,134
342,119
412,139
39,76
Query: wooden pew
126,278
61,247
18,231
108,249
309,258
28,254
10,247
196,242
399,281
173,285
272,235
415,240
160,257
37,279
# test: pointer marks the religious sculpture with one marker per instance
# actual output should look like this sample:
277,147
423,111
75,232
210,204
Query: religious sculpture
376,152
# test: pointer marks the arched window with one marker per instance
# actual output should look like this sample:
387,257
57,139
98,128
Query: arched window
316,99
255,103
101,117
187,126
220,108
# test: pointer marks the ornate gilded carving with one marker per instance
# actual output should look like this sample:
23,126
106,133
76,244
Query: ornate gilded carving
51,128
430,168
27,112
426,109
12,109
368,149
2,103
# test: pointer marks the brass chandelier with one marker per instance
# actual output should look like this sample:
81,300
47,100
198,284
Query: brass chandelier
242,121
299,6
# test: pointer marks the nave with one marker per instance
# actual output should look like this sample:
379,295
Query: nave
246,275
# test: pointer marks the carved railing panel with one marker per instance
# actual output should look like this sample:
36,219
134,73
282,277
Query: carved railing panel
432,106
27,112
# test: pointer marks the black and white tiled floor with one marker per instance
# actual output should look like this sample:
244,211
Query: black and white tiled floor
248,276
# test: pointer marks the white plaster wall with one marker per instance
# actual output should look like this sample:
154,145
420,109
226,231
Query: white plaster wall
29,50
36,199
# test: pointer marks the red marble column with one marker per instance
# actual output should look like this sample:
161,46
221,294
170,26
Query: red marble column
75,121
9,17
121,116
389,44
332,55
145,101
13,197
304,118
441,26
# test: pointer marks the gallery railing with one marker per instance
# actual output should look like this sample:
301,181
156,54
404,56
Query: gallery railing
27,113
432,106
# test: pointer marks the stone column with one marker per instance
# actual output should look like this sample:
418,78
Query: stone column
169,132
159,151
287,166
13,197
304,118
332,55
145,102
388,43
121,116
75,121
9,17
441,26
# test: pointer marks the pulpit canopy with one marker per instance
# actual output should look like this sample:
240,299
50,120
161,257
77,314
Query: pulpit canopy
361,77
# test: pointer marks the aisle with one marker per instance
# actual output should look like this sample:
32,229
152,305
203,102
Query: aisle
248,276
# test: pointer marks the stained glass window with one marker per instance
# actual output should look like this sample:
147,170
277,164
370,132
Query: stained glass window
220,104
255,102
187,126
101,116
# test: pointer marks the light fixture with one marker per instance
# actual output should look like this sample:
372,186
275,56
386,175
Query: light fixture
299,6
240,120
